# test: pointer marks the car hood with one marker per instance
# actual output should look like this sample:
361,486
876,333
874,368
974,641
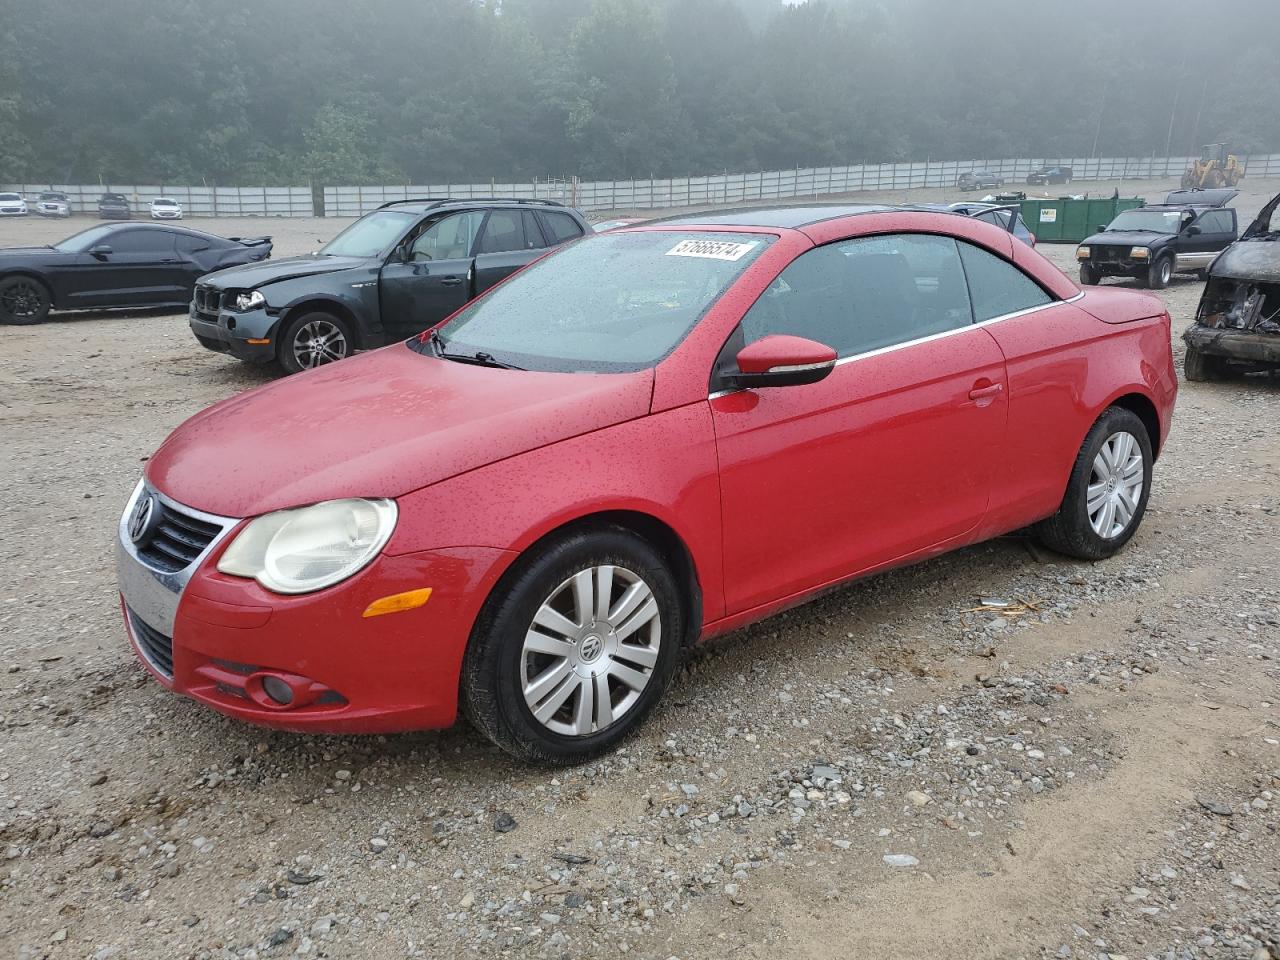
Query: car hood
274,271
380,425
1257,259
1126,238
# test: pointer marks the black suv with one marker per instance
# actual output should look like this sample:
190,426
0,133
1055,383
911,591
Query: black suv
1151,243
391,274
1050,175
979,179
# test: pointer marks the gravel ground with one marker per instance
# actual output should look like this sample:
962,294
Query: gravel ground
897,770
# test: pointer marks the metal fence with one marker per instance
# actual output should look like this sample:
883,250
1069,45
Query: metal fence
652,194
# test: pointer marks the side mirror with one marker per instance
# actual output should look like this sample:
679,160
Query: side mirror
779,360
101,250
1193,230
1102,228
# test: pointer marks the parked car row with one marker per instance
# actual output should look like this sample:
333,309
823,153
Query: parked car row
111,206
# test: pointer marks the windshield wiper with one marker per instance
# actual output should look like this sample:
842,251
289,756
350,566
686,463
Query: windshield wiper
479,358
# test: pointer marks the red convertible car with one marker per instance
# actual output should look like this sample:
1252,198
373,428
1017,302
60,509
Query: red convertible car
644,439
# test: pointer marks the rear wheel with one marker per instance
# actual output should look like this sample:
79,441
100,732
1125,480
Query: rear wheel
1107,492
312,340
23,301
1089,274
1160,273
575,647
1201,368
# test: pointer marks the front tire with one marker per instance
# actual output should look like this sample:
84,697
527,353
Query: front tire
1107,492
1160,273
24,301
574,647
1200,368
1089,275
312,340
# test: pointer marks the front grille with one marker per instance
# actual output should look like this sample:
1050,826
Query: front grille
155,646
208,300
177,541
1110,253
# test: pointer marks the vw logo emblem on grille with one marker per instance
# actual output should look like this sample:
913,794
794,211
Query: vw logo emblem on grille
140,521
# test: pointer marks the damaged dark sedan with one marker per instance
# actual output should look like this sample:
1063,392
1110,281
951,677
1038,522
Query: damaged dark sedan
1237,327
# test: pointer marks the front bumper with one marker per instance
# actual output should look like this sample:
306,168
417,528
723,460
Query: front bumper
161,215
230,333
12,212
214,638
1234,344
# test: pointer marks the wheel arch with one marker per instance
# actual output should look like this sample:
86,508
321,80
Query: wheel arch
1144,409
38,277
648,526
327,305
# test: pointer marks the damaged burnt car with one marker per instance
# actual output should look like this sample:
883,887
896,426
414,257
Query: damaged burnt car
1237,326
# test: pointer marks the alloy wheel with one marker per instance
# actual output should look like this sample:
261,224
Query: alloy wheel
319,342
22,299
591,650
1115,485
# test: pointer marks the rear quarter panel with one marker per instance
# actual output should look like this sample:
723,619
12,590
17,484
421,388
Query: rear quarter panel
1065,366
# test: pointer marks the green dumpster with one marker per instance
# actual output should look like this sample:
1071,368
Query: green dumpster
1070,221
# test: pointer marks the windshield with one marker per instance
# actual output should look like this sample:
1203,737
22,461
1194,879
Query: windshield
1148,221
9,196
164,202
372,235
82,241
53,196
614,302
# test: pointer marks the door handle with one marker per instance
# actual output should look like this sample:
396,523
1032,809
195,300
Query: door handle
450,281
980,392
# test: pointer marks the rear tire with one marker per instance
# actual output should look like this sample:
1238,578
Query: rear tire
1102,481
314,339
1089,275
23,301
580,658
1201,368
1160,273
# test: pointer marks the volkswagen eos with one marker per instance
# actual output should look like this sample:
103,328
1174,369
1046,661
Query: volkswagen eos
646,438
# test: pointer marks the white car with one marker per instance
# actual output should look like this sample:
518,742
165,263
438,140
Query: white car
12,205
53,204
166,208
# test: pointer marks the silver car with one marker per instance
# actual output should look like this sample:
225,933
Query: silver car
12,205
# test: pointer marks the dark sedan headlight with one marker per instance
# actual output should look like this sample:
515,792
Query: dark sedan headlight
250,300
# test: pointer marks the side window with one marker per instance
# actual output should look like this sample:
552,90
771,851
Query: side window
503,232
560,227
860,295
140,242
448,239
532,232
1215,221
189,244
996,286
998,217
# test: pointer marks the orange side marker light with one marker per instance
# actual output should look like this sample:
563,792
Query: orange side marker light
398,602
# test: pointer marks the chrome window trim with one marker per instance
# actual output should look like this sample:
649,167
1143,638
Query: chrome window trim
933,336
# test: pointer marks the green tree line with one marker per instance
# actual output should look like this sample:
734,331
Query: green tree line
430,91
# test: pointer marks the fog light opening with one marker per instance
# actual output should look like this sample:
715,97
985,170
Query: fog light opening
279,691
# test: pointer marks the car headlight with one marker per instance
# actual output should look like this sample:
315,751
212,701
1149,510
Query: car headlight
1082,253
1139,253
250,300
310,548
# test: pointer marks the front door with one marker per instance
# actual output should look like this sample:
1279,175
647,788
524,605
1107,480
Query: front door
892,454
142,269
430,276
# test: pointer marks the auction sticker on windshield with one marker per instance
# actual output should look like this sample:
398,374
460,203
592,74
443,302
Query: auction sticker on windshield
712,249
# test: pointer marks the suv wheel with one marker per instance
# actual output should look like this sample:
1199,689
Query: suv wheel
575,646
312,340
1089,274
23,300
1160,273
1107,493
1201,368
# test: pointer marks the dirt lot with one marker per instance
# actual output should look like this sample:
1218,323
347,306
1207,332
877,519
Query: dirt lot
893,771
